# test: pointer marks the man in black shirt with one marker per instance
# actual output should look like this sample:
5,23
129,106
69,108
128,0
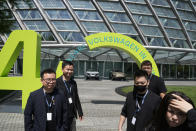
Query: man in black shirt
69,86
140,105
157,84
46,108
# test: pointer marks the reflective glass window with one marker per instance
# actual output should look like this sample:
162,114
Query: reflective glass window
84,4
179,43
110,6
152,31
47,36
119,17
59,14
88,15
65,25
95,26
192,35
186,15
181,4
24,5
72,36
136,8
166,22
159,2
189,25
157,41
15,26
52,4
164,12
148,20
36,25
175,33
124,28
140,1
29,14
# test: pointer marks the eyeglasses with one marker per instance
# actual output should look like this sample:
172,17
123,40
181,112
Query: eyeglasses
48,80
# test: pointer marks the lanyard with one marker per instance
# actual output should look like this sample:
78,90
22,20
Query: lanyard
69,91
49,104
150,77
137,103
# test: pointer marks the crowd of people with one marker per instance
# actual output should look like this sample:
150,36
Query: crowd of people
56,105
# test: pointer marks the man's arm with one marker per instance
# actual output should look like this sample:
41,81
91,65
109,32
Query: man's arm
78,104
121,122
28,121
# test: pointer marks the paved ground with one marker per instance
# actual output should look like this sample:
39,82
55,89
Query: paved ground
101,106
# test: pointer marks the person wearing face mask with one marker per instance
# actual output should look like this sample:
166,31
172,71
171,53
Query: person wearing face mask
176,113
140,105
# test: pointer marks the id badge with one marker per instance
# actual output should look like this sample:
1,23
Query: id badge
70,100
49,116
133,120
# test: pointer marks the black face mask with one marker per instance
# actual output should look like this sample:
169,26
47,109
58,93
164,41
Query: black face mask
140,88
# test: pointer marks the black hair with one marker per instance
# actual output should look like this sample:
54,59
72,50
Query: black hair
146,63
47,71
66,62
140,73
160,118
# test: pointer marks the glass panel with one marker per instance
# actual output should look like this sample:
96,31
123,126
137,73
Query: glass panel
100,68
179,43
75,68
47,36
110,6
29,14
159,2
36,25
154,31
189,25
95,26
72,36
192,35
65,25
181,4
140,1
164,12
119,17
169,23
88,15
59,14
186,72
108,68
24,5
135,67
165,70
135,8
84,4
52,4
124,28
153,41
180,71
141,19
173,71
175,33
81,68
186,15
118,66
128,69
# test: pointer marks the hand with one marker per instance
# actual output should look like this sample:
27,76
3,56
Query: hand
180,104
80,118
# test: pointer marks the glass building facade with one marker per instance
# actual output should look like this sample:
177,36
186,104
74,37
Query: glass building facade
166,28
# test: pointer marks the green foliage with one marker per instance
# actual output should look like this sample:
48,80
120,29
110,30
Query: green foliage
188,90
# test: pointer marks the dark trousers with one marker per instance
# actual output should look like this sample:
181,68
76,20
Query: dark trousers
72,124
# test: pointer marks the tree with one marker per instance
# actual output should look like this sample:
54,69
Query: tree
6,23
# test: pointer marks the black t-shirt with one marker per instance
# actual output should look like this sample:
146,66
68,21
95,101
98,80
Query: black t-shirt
157,85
